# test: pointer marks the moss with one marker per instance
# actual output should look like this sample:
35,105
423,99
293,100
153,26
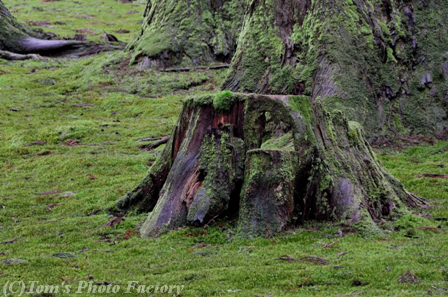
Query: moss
223,101
366,226
302,105
154,44
284,142
354,131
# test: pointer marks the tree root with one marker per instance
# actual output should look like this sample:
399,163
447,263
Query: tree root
417,202
32,49
19,57
148,147
47,47
216,67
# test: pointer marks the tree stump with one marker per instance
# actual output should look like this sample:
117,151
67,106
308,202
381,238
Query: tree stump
272,160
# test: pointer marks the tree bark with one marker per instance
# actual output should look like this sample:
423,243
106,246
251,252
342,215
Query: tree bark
383,64
188,32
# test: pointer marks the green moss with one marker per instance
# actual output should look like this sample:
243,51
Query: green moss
223,101
366,226
284,142
302,105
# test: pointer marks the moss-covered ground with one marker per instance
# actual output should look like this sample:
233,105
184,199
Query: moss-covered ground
69,150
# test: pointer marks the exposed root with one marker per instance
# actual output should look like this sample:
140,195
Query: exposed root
417,202
32,48
39,46
18,57
155,144
216,67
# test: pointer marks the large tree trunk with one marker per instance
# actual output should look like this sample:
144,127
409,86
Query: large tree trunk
383,63
188,32
297,153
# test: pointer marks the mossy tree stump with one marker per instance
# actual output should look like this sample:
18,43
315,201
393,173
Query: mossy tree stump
274,160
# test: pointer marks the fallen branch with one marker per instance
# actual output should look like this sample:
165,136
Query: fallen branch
330,245
9,241
46,223
113,222
409,278
341,254
310,259
303,284
187,69
206,225
432,175
18,57
287,258
148,147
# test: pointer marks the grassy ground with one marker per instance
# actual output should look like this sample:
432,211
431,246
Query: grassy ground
89,17
68,148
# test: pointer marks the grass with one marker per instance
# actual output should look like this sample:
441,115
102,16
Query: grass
68,147
90,17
